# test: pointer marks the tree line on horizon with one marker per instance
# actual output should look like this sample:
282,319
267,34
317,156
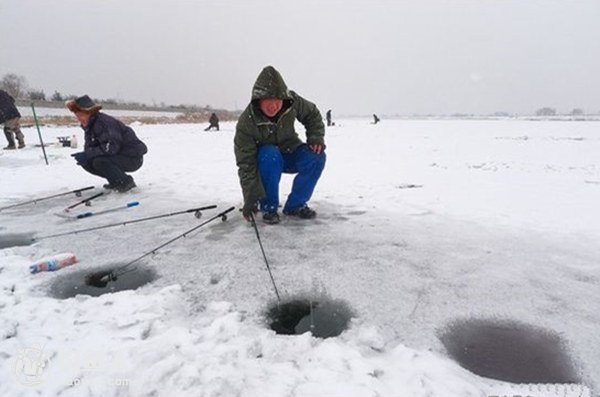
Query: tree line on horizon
18,88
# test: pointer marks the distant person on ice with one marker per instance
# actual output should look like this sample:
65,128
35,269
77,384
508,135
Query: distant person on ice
375,119
214,122
328,118
266,145
10,116
111,148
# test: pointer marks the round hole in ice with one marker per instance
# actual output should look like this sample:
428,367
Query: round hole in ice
509,351
15,240
323,318
72,283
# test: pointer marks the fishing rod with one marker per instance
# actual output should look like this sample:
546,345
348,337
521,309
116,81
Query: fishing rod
197,213
265,257
88,214
39,133
77,193
87,202
102,278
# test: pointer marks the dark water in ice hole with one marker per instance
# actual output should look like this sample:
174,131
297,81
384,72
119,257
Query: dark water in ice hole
15,240
73,283
329,317
509,351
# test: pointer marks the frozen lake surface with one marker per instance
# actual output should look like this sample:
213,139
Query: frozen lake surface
420,224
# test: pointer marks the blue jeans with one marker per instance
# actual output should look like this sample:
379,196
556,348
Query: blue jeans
272,163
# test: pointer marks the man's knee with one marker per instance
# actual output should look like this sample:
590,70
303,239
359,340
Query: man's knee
134,164
269,155
319,161
312,161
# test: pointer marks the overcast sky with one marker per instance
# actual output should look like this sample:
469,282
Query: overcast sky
353,56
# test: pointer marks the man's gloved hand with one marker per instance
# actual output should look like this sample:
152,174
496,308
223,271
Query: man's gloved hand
80,157
248,210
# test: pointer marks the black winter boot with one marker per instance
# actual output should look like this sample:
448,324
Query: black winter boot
10,140
304,212
127,186
271,218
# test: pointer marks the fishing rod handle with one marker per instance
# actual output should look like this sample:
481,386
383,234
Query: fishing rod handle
208,207
85,200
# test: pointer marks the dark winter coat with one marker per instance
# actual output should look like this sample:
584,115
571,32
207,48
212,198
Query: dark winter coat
107,136
8,110
254,129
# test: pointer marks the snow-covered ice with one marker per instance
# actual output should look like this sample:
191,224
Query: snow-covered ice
420,223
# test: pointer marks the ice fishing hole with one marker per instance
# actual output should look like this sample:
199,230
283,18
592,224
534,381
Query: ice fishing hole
509,351
15,240
324,318
73,283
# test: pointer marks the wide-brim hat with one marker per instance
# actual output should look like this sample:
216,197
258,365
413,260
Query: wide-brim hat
83,104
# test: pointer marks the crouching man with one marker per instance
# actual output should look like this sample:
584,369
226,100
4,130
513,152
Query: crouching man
111,148
267,145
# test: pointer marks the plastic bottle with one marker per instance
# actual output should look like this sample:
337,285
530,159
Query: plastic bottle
74,142
52,263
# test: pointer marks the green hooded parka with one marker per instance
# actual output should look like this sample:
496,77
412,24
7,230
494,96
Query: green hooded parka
254,129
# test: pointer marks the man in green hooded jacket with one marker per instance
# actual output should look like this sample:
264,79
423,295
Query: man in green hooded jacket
267,145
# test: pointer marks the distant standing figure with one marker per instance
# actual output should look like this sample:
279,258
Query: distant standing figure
375,119
214,122
328,118
111,148
10,116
